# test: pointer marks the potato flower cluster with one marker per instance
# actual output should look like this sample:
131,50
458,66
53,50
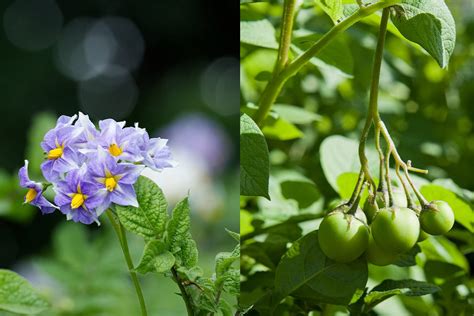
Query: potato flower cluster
89,169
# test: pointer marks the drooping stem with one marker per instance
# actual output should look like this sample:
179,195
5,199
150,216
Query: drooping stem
357,189
122,237
184,293
396,156
274,86
418,194
405,188
372,112
388,180
400,163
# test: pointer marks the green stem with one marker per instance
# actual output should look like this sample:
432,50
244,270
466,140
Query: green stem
293,220
388,180
274,86
184,293
285,37
372,112
357,189
122,236
382,183
405,188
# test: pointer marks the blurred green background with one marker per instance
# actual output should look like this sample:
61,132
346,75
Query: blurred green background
428,111
152,62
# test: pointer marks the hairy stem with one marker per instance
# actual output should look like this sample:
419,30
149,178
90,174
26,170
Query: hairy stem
372,112
122,237
274,86
285,37
184,293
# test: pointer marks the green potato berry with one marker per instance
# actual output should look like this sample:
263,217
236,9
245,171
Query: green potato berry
344,208
437,218
396,229
398,196
370,209
342,237
379,256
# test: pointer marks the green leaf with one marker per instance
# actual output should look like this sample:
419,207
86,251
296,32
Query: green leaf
428,23
439,248
224,260
149,219
408,259
281,129
191,274
295,114
389,288
340,155
346,183
18,296
180,241
246,222
335,57
231,281
254,161
155,258
235,236
258,33
333,8
304,271
462,211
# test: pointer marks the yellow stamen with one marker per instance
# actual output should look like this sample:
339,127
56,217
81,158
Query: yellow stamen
77,200
30,195
110,183
115,150
55,153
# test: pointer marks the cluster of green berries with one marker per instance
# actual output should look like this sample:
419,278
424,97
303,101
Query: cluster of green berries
382,232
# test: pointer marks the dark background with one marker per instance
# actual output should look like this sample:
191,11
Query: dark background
181,38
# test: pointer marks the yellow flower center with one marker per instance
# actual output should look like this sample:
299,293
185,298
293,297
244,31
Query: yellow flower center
30,195
115,150
77,200
110,183
55,153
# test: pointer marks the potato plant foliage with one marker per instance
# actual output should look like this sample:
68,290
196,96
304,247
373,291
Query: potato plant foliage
347,203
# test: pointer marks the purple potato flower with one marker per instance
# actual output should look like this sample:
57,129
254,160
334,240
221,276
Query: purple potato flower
155,152
157,155
77,198
122,143
90,132
34,196
114,179
58,144
93,168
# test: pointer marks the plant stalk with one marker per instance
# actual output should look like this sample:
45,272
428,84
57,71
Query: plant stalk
274,86
285,37
372,112
184,293
122,237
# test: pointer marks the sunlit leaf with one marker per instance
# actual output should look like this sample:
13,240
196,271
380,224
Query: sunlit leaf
428,23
